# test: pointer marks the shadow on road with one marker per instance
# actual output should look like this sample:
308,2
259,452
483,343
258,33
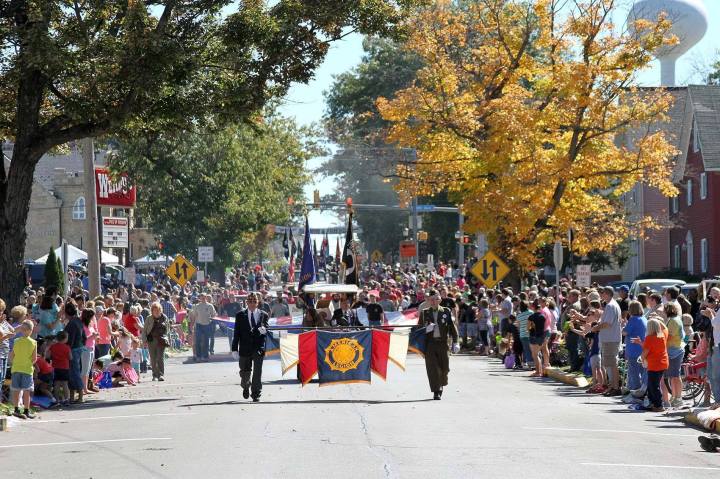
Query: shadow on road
308,401
101,404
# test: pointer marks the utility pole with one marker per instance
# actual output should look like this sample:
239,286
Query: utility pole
461,245
91,217
415,229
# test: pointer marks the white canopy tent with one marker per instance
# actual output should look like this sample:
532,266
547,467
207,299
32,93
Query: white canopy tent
76,254
147,261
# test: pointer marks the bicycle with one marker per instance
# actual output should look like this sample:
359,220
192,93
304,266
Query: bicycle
695,383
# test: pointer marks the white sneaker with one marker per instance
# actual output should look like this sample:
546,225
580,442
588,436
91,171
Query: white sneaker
666,404
638,393
677,403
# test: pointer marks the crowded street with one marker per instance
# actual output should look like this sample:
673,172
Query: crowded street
491,422
360,239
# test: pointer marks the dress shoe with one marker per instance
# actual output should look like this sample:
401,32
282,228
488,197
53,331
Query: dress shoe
256,399
246,393
708,444
436,396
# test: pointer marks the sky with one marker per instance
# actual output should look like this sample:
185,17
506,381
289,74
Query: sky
306,103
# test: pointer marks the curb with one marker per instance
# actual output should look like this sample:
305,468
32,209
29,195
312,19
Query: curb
567,378
692,418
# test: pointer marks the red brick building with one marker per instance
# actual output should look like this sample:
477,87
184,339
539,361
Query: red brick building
695,213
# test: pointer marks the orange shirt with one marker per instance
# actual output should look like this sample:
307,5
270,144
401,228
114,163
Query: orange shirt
657,356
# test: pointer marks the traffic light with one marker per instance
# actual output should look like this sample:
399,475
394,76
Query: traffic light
316,198
348,201
466,239
160,246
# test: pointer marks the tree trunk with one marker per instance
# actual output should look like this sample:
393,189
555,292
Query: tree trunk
14,207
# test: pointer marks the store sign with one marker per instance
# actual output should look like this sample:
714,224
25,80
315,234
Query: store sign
116,192
114,232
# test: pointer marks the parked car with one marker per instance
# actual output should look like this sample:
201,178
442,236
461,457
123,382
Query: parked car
656,285
687,287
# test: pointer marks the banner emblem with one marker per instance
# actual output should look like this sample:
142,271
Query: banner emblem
344,354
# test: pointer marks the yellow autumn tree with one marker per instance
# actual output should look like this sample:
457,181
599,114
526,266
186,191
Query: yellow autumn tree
519,114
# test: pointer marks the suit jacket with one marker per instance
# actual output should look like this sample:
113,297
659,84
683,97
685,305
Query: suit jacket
247,340
444,322
346,318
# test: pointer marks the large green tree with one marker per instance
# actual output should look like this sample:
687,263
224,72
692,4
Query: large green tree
70,70
215,187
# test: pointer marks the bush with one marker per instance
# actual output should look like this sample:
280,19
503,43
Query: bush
54,273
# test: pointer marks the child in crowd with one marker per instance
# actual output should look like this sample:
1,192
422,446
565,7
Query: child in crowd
121,370
124,344
44,375
595,364
23,357
517,347
60,356
655,359
136,356
687,321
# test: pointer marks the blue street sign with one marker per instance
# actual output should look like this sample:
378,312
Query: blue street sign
425,208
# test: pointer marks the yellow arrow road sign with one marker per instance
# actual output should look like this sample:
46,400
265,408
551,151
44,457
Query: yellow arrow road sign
490,269
181,270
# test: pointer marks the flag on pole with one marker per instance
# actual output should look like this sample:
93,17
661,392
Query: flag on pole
348,257
307,268
286,245
291,270
293,248
325,246
337,250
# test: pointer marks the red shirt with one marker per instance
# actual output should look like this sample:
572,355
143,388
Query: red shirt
43,366
131,324
657,356
60,355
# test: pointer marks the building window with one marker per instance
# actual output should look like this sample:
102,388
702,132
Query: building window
690,253
676,256
78,210
703,186
675,204
704,255
689,192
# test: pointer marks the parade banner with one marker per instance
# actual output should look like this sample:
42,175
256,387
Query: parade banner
344,357
307,356
417,341
289,345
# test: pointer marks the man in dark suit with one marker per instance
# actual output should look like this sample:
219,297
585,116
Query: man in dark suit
345,316
438,323
248,345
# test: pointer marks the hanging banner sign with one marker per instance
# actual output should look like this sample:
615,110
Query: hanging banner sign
118,192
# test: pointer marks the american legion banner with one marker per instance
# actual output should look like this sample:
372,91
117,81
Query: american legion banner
343,357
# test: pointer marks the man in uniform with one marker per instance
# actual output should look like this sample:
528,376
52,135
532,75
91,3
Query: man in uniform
438,323
345,316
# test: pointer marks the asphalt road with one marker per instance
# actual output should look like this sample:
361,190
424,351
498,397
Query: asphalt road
490,423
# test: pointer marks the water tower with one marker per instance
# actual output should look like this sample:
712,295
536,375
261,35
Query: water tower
689,23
